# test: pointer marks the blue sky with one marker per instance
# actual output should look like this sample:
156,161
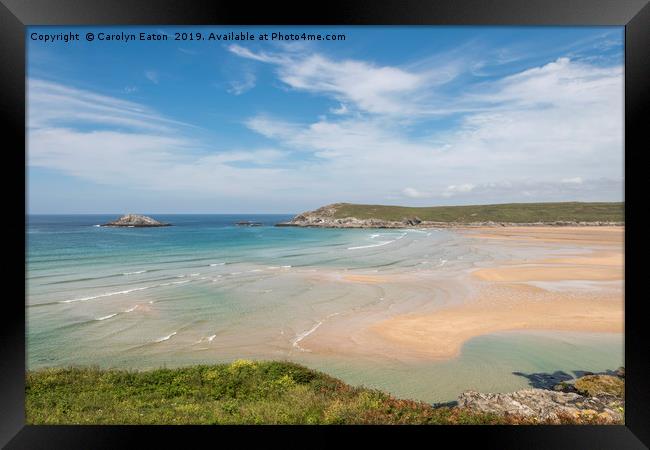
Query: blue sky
392,115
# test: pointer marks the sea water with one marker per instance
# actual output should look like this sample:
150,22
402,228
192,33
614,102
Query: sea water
206,291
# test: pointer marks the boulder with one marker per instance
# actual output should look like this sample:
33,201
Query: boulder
412,221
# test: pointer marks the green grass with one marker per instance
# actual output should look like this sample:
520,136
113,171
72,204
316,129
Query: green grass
243,392
508,212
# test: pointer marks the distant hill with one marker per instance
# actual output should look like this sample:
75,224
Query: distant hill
565,213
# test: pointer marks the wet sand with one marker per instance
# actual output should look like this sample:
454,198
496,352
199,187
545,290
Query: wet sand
509,295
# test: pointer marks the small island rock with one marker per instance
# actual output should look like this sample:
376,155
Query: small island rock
135,220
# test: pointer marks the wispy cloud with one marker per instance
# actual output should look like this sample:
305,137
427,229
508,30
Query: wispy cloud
188,51
342,109
152,76
238,87
372,88
121,143
54,104
543,124
551,132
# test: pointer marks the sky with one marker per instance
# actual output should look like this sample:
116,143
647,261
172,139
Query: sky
417,116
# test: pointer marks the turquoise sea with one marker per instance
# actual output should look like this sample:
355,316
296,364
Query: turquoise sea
207,291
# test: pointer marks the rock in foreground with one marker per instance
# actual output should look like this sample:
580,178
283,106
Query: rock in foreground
545,405
135,220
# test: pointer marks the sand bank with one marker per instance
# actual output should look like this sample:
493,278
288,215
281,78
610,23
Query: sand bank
504,298
508,308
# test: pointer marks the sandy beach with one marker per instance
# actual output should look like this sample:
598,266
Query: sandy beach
579,291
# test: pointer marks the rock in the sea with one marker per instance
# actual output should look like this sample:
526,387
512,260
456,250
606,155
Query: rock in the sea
545,405
135,220
620,372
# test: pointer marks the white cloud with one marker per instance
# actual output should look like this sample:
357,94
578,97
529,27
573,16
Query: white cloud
372,88
52,104
239,87
152,76
524,138
68,132
342,109
246,53
414,193
457,189
541,125
187,51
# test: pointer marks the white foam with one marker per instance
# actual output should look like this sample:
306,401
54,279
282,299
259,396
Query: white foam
442,262
286,267
97,226
131,309
255,270
206,339
303,335
173,282
164,338
108,294
194,274
134,273
106,317
217,264
370,246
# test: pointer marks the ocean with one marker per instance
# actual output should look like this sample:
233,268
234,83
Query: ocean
207,291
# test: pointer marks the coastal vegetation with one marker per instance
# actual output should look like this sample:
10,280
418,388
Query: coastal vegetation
243,392
507,212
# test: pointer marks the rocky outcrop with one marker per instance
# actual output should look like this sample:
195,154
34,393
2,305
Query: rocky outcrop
135,220
248,223
545,405
594,385
599,397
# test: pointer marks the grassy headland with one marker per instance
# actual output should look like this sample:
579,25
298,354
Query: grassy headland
507,212
243,392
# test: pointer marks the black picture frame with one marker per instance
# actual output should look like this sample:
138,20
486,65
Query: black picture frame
15,15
